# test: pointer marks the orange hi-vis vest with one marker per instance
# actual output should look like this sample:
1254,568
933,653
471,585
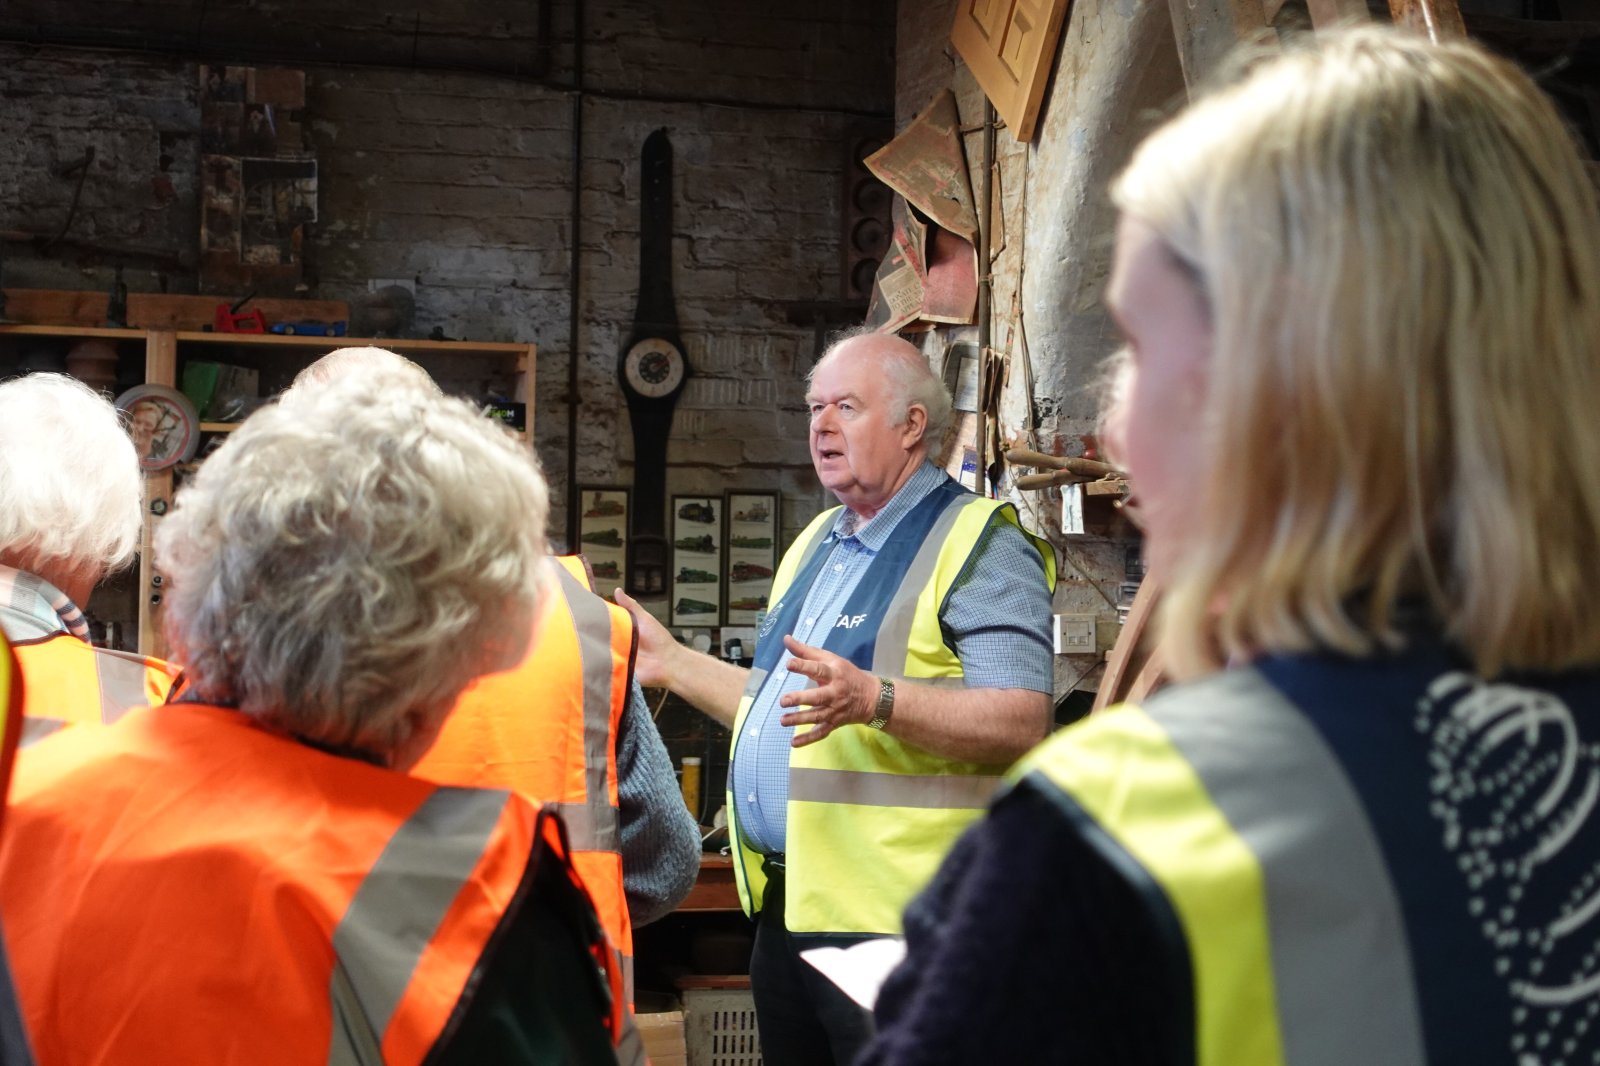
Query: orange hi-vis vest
547,729
70,682
14,1047
188,887
12,694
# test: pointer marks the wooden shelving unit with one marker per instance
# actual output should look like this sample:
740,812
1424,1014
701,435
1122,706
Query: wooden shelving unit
467,368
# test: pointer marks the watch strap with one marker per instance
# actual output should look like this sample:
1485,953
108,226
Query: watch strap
885,708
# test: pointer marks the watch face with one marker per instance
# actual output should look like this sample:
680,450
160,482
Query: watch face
653,368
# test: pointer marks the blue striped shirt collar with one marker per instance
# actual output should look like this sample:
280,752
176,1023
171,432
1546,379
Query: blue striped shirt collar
875,533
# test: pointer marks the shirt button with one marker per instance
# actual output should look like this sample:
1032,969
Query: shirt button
751,798
811,621
838,567
755,733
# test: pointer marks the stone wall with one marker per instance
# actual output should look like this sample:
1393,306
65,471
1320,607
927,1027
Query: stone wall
461,180
1116,68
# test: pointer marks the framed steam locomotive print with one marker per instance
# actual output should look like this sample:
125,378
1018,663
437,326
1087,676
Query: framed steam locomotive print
752,555
603,534
696,560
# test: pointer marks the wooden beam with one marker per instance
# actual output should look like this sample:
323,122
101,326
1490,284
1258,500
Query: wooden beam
1326,14
1133,669
151,310
56,307
160,368
1439,19
1207,30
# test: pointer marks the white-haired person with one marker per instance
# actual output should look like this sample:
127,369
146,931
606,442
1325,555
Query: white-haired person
567,724
903,667
247,874
1359,287
71,504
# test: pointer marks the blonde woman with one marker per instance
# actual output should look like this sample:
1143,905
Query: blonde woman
1360,290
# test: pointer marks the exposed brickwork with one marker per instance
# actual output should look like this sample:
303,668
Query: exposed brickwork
141,118
462,182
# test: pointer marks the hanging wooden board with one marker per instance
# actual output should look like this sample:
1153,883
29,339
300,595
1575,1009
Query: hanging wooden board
1010,46
150,310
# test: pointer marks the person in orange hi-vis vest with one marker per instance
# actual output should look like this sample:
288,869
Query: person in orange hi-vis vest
247,875
71,500
568,725
14,1049
548,729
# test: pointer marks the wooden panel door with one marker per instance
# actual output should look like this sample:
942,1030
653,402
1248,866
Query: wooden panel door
1010,45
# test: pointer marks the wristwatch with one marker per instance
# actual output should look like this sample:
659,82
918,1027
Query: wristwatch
885,708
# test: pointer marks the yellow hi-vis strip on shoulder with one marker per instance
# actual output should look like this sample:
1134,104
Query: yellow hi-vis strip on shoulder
1232,803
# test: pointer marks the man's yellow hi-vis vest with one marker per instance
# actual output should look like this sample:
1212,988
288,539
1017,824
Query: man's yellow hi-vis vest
870,817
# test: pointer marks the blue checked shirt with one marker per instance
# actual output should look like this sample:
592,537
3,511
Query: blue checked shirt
997,618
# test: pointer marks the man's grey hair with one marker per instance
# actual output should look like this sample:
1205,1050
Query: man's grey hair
354,557
346,362
71,492
911,380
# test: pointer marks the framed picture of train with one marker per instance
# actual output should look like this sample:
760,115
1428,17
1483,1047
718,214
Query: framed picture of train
603,534
752,555
696,560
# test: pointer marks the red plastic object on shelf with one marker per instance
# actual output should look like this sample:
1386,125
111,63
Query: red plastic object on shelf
231,320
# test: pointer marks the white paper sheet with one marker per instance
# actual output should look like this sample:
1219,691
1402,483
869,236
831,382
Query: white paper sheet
860,970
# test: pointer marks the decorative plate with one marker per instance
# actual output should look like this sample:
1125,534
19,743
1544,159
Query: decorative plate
163,424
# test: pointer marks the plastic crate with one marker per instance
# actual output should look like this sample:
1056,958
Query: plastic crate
719,1027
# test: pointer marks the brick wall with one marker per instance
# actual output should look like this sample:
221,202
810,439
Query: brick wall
461,180
141,117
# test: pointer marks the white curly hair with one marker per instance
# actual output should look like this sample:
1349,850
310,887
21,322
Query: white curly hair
71,494
347,563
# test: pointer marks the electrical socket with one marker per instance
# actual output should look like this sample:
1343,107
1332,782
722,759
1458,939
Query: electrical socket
1075,634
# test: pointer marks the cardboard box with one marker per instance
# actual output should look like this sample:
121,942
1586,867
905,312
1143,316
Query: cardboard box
663,1038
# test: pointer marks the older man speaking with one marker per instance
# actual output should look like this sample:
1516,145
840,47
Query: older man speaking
905,662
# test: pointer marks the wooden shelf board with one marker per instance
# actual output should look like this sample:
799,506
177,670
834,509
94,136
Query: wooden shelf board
330,343
22,330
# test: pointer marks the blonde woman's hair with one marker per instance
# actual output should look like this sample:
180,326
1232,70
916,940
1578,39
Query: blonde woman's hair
1400,252
352,558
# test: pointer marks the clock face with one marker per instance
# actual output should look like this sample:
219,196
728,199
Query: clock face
653,368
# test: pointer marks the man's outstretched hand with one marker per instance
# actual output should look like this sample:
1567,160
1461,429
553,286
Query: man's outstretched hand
842,693
651,668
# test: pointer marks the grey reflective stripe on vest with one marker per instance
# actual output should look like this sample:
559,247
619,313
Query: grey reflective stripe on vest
1346,958
36,729
866,789
894,634
630,1043
394,914
586,832
595,829
121,684
120,679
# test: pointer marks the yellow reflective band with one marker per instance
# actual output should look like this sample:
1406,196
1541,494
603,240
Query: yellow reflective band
1122,767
